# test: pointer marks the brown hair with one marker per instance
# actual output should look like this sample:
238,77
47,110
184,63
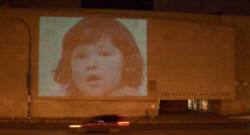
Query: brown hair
89,30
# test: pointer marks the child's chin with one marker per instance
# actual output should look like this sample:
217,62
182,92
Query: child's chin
95,92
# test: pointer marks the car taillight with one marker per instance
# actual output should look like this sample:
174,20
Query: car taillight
75,126
123,123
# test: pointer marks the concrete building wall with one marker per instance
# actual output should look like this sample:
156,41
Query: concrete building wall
81,108
241,103
53,108
14,63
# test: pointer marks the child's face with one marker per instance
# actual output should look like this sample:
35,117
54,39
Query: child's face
97,67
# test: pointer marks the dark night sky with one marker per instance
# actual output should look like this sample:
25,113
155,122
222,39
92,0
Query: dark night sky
239,7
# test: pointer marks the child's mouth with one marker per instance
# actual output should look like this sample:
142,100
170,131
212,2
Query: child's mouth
93,78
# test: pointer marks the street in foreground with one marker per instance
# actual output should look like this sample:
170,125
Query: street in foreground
156,129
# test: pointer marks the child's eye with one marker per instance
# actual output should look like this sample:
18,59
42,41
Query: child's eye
80,56
104,54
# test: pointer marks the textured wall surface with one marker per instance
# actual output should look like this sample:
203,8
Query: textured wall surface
16,66
14,63
241,104
191,61
81,108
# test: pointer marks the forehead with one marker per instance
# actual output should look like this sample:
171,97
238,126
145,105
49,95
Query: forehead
103,43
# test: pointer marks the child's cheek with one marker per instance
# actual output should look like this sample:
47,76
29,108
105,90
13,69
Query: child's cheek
77,66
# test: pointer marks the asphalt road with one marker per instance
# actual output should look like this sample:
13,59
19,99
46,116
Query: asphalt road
171,129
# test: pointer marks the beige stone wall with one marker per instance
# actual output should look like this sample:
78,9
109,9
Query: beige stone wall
242,102
85,108
14,104
191,60
14,62
241,25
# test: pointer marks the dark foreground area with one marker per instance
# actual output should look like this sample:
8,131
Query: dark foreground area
168,124
142,129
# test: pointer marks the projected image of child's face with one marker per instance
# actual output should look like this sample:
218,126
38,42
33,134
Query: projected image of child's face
97,67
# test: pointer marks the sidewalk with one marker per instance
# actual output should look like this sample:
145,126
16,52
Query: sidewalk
168,118
193,118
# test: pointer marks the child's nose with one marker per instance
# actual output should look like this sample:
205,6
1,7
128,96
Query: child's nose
92,65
